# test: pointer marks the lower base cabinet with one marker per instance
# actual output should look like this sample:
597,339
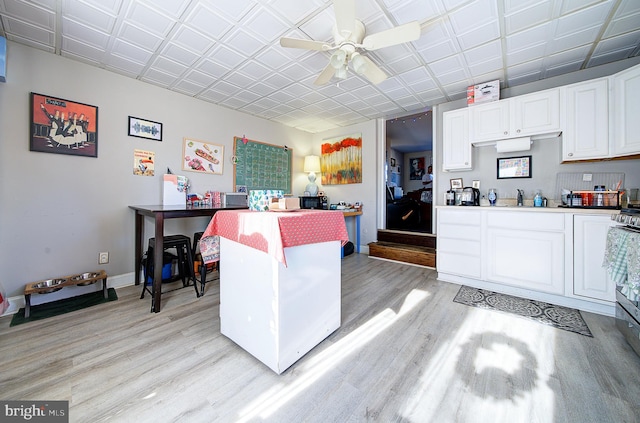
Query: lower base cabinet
590,279
554,254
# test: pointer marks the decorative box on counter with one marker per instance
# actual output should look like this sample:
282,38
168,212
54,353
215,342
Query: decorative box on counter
259,200
291,203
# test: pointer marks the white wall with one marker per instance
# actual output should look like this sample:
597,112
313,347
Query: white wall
57,212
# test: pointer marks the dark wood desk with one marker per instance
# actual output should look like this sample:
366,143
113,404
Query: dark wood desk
159,213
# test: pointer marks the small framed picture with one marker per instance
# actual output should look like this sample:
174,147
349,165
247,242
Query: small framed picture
476,184
514,167
143,128
456,183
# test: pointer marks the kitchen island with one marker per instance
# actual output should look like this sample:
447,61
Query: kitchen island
279,280
550,254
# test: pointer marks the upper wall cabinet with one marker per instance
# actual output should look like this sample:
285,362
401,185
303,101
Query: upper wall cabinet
626,112
456,152
585,120
531,114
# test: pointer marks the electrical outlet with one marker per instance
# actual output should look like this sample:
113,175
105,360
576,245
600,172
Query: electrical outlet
586,177
103,258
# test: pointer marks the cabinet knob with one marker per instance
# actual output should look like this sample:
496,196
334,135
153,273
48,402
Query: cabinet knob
466,163
506,132
518,131
570,154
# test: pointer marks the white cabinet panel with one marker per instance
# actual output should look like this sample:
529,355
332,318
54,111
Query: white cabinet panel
536,113
525,115
626,112
459,242
526,259
490,121
456,153
585,120
590,279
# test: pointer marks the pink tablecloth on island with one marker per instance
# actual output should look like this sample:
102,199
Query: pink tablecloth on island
271,231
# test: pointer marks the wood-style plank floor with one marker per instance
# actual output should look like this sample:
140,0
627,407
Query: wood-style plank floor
404,353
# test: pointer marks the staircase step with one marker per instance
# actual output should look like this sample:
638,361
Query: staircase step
414,254
409,238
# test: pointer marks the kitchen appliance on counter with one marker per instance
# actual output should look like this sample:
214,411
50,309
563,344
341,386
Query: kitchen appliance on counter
627,300
314,202
470,196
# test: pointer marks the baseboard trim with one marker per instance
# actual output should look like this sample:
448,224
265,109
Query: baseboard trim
584,305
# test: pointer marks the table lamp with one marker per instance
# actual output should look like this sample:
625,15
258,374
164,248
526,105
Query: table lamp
312,165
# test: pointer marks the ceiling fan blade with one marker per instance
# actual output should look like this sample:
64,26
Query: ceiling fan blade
398,35
345,11
372,72
325,76
305,44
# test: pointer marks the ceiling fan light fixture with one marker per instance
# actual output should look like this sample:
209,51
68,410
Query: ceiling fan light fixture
359,64
338,59
342,73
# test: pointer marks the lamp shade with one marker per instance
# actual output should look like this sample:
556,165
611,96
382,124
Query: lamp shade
312,164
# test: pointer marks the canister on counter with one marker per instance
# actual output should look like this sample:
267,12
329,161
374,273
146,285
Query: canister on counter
599,197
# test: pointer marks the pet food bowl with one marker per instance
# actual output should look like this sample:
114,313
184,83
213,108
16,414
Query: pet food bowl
88,277
52,285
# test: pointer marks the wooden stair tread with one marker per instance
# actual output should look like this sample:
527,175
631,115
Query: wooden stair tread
398,246
413,254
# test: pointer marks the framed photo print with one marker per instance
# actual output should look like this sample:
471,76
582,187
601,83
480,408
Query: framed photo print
456,183
514,167
203,157
63,126
143,128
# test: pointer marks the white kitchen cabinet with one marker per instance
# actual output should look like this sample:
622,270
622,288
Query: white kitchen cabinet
459,242
525,115
526,250
626,112
590,279
456,153
585,120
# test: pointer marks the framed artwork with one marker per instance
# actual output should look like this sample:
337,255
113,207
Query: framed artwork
456,183
143,128
203,157
341,160
417,168
63,126
514,167
476,184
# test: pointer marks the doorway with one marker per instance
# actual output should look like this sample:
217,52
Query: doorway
409,153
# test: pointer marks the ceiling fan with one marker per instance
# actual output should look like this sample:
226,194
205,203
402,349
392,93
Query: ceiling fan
350,42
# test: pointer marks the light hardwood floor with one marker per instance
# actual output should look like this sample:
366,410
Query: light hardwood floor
404,353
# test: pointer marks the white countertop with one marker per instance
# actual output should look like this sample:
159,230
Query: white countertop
534,209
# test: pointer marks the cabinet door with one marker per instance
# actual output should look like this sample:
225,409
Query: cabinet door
585,121
526,250
526,259
626,112
536,113
456,152
590,279
490,121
